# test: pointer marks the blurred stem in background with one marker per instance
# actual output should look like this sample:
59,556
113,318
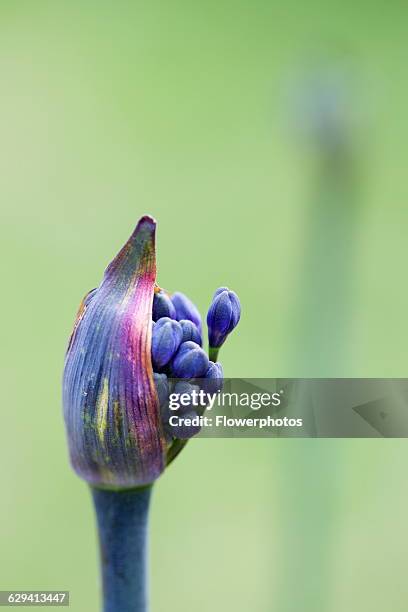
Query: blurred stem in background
322,321
122,525
310,470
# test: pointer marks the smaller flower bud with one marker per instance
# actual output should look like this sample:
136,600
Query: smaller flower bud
190,361
184,429
162,306
181,388
185,388
223,316
185,309
162,387
213,378
190,332
166,339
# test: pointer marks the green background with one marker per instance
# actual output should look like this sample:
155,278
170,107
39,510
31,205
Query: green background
190,111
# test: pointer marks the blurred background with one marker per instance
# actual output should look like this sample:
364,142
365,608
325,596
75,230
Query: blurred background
270,142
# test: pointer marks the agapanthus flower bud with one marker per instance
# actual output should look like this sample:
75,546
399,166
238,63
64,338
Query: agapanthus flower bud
185,309
162,306
162,387
166,339
116,408
181,388
185,388
223,316
190,361
111,406
190,332
213,378
184,428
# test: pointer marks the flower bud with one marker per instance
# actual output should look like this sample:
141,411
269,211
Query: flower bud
190,332
162,306
166,339
185,309
184,429
223,315
180,388
190,361
114,404
185,388
111,407
162,387
213,378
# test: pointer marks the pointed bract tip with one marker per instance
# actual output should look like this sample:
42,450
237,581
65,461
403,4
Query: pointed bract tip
138,250
148,220
146,225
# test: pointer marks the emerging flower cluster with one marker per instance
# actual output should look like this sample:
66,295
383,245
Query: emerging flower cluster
118,367
177,351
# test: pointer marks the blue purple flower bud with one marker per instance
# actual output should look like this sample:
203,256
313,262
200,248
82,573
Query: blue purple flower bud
190,361
166,339
213,378
184,427
185,388
223,316
162,387
116,408
190,332
185,309
162,306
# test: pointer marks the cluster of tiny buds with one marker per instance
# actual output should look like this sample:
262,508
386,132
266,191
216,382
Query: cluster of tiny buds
177,351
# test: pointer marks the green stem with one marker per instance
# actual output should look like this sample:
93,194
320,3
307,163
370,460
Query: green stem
213,353
175,449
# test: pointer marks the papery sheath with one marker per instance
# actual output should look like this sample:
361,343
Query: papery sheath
111,407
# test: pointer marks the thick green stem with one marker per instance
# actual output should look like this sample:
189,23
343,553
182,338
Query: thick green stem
122,526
